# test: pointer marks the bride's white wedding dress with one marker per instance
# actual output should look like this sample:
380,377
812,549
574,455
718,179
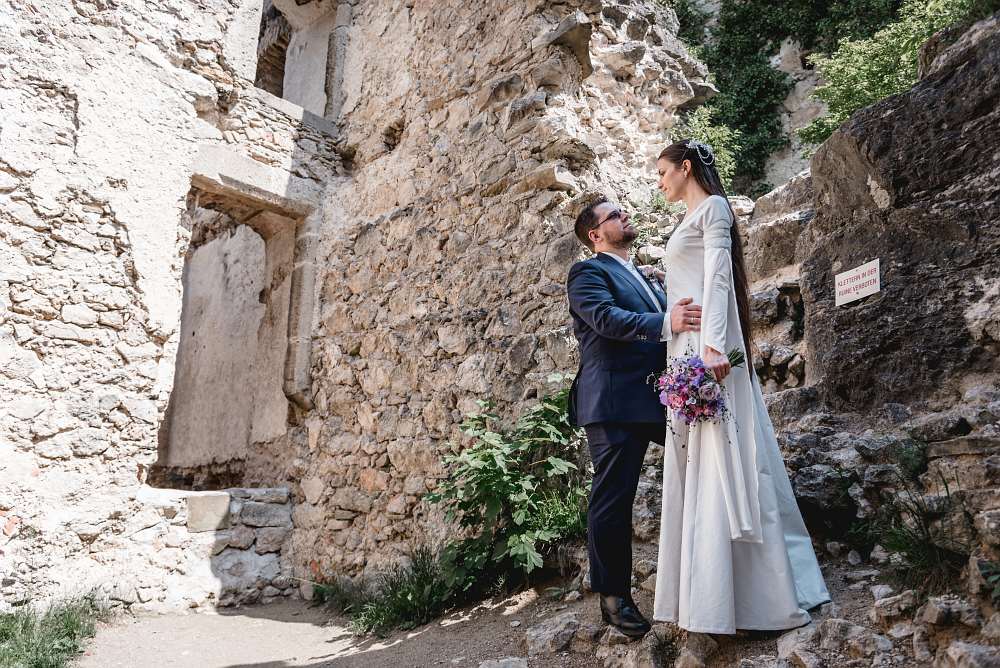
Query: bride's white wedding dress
734,552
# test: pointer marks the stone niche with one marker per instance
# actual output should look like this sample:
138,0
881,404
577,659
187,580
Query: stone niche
301,50
229,380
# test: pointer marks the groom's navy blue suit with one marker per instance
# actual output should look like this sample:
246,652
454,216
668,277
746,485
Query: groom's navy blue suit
619,329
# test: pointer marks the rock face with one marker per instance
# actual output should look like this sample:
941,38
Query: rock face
900,402
915,185
772,234
797,110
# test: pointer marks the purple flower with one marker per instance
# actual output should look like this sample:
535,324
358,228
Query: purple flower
709,392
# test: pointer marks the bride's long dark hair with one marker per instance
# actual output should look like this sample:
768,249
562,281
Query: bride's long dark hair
708,178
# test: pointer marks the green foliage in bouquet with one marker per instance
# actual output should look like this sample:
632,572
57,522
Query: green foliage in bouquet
515,492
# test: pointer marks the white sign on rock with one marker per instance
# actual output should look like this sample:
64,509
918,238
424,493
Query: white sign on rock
859,282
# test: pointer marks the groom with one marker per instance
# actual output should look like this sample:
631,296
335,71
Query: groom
621,322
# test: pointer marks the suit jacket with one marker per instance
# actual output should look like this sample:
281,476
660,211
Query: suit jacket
618,329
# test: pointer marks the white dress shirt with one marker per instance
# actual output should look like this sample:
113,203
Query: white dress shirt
665,332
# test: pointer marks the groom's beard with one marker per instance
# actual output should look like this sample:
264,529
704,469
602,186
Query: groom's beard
628,236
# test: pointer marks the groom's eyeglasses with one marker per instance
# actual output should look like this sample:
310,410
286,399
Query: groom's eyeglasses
617,213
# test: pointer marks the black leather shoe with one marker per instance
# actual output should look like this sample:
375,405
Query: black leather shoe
635,606
622,613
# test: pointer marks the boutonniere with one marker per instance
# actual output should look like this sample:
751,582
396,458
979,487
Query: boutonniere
648,272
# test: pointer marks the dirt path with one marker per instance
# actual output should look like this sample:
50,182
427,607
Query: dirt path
296,635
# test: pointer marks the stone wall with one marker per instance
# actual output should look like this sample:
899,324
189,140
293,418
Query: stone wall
473,148
112,117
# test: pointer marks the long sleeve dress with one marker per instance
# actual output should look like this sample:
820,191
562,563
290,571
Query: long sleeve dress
734,552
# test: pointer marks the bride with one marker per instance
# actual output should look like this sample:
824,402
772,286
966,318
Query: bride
734,552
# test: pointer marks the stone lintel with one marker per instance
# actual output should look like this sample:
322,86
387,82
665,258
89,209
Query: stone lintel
223,171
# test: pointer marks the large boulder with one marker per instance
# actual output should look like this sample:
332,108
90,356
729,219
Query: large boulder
915,182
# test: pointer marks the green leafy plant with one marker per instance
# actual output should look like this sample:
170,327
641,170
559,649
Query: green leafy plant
861,72
659,204
862,535
564,513
912,459
51,638
514,492
405,596
342,594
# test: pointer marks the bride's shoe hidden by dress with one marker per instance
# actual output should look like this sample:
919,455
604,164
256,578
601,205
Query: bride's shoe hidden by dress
622,613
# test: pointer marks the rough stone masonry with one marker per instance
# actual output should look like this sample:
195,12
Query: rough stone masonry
207,286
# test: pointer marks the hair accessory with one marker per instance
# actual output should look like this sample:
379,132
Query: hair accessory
704,151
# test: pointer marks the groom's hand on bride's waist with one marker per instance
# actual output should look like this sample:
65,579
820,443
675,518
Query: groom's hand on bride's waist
685,316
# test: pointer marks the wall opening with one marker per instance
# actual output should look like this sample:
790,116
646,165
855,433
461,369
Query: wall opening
229,378
302,51
272,50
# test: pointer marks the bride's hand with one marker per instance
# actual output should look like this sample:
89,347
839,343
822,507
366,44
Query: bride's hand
716,362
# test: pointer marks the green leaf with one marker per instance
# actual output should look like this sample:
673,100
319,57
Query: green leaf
559,466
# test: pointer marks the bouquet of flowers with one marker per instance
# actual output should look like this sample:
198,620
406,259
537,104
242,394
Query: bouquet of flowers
691,391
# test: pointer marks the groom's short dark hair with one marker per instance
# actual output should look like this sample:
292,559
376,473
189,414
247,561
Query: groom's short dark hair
585,221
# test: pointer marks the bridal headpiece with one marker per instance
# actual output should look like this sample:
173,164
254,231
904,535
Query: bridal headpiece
704,151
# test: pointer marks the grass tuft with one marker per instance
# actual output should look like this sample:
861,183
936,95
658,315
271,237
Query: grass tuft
931,539
405,596
51,638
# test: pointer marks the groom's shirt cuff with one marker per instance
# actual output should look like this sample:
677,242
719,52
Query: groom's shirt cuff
665,333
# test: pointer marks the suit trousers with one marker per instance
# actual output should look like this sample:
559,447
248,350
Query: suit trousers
617,450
